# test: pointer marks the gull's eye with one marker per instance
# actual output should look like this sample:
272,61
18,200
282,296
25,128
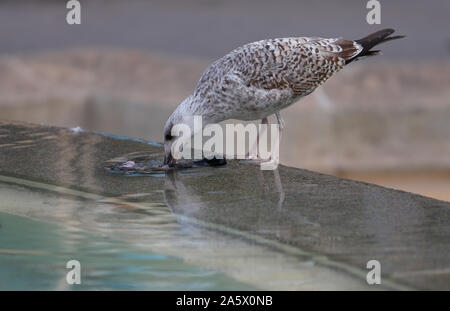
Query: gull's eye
168,137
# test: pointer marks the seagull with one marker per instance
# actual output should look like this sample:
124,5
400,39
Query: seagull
262,78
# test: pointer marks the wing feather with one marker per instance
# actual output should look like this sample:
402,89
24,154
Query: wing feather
299,64
302,65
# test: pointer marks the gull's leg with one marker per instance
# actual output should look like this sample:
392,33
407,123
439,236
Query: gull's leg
274,158
280,123
280,134
280,120
256,144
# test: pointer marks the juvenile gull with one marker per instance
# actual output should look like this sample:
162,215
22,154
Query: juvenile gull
261,78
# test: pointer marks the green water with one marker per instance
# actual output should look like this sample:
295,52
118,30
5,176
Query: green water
33,256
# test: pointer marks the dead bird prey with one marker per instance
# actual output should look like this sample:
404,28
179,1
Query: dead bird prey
261,78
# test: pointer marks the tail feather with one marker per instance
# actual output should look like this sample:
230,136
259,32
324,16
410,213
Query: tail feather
372,40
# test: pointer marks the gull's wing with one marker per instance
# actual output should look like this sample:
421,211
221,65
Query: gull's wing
271,74
303,66
300,64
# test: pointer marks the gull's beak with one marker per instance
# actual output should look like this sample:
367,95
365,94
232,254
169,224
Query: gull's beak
169,160
168,157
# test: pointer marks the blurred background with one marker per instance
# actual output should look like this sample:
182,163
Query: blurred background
384,120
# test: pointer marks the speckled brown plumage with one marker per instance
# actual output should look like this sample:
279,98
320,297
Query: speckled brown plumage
263,77
260,78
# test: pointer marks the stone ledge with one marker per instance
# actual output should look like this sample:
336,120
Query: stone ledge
339,223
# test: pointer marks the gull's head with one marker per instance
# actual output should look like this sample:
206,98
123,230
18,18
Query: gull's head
168,141
181,117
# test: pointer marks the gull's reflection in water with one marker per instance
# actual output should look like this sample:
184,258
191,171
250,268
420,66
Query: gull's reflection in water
233,197
278,185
